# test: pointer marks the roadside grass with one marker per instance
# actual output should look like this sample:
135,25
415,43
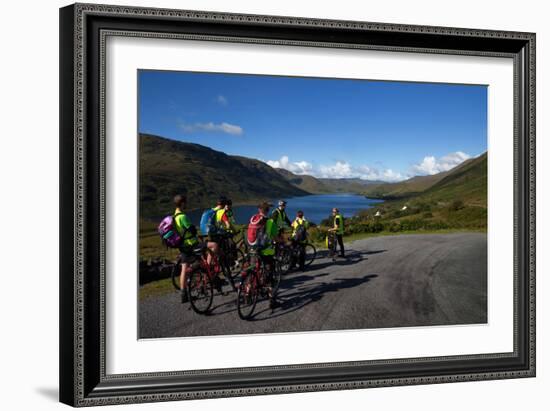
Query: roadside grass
156,288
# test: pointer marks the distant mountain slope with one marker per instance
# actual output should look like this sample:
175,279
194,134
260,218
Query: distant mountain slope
305,182
168,167
405,188
348,185
415,185
466,182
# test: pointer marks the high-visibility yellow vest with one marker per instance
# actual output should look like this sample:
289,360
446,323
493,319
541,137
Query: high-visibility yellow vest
338,218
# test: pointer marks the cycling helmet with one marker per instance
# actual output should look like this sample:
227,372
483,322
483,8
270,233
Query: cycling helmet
300,213
282,203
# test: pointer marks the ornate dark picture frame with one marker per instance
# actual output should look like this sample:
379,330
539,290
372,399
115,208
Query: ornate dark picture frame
83,31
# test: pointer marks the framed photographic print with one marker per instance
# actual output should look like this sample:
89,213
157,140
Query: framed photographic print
261,204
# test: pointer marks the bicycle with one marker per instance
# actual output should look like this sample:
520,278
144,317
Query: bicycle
331,244
201,279
254,282
283,257
231,257
309,250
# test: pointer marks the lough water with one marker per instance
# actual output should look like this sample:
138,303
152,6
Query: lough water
316,207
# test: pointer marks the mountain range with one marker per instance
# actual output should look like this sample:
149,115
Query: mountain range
168,167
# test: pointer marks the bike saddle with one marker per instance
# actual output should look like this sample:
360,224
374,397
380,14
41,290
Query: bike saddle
199,249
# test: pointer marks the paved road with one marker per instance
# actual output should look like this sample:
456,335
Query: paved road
394,281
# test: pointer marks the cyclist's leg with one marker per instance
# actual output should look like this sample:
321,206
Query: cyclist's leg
212,246
184,259
302,256
340,238
292,262
269,264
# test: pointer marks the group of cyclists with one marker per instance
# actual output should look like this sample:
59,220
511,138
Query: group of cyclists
272,226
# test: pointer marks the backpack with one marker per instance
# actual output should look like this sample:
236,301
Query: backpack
168,233
208,222
256,236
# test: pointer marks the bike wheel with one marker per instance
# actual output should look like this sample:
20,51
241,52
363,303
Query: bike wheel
236,267
311,253
247,296
275,282
176,271
200,291
282,260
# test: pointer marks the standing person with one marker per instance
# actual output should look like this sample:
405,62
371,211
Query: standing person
188,233
230,215
338,228
224,218
216,237
299,238
267,250
213,238
280,219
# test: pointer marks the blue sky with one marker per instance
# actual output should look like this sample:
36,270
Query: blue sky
324,127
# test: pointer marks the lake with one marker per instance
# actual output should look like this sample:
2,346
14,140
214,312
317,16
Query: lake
316,207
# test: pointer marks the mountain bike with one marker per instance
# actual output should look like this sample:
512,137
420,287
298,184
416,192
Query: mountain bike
255,283
331,244
231,257
309,250
202,278
283,257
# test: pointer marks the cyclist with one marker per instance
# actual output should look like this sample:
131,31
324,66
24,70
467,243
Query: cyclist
338,229
230,215
299,238
189,234
267,252
280,219
214,239
225,221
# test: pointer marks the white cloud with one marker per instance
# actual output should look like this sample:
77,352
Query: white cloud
340,169
299,167
213,128
343,169
222,100
431,165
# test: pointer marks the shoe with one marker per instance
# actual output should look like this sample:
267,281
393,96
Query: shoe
184,297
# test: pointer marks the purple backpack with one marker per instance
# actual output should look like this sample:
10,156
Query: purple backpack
168,232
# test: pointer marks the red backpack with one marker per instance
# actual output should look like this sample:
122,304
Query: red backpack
255,234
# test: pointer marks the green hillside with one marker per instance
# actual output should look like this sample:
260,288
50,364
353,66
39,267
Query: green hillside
168,167
419,185
414,185
457,200
466,182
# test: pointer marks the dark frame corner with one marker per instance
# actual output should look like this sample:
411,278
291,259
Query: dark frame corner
83,381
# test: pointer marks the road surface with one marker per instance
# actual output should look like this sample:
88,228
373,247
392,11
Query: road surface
389,281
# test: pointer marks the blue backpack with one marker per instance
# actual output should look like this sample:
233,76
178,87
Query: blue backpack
208,222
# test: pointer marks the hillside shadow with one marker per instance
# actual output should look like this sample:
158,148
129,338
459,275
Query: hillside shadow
292,299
